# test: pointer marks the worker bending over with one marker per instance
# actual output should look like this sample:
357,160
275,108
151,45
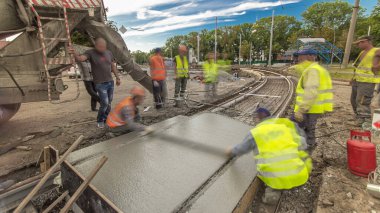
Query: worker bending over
314,93
158,74
181,69
210,75
365,78
278,151
122,119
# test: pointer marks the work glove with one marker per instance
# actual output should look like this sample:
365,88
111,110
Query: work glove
298,116
156,84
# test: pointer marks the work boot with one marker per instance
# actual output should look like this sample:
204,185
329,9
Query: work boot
271,196
101,125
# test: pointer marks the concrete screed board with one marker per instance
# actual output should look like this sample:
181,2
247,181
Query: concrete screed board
153,174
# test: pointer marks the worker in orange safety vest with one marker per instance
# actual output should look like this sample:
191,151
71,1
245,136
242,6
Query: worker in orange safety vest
123,118
158,74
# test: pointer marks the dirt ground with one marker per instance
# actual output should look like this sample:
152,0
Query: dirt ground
331,187
59,125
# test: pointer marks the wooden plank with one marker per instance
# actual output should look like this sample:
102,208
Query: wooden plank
58,200
91,198
47,159
84,185
47,175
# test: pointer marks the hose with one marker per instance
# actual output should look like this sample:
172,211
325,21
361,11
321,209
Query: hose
29,52
13,31
13,79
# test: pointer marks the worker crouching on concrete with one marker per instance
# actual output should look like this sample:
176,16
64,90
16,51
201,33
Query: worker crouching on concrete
314,93
158,74
181,72
365,78
278,151
122,119
210,75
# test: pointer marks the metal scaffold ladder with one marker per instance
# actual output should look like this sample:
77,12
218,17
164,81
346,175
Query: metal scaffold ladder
48,62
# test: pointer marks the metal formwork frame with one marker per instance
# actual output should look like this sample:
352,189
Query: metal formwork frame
61,4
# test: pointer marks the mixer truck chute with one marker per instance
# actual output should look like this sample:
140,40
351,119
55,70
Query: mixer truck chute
32,64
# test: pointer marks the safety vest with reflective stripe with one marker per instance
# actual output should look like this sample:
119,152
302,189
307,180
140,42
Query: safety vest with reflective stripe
280,164
210,70
182,68
157,68
324,101
115,119
363,73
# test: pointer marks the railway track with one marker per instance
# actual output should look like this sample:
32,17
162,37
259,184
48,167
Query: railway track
271,90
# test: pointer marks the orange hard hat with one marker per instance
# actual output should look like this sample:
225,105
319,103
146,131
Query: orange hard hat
137,91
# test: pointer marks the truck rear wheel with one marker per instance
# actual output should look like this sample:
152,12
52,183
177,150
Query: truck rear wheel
7,111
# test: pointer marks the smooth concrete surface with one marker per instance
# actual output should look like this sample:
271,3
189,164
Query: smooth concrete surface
223,195
152,174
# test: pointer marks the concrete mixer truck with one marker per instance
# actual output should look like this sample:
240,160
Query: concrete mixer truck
31,65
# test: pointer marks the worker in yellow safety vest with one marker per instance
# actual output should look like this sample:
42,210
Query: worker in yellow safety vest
158,74
123,118
278,148
181,69
210,77
366,76
314,93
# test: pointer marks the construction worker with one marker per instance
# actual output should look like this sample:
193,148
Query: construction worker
314,93
158,74
122,119
365,78
181,69
102,66
89,84
210,75
278,151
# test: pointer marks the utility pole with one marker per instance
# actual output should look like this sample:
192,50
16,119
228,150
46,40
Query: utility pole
198,38
250,54
239,48
216,41
332,48
369,30
350,36
271,41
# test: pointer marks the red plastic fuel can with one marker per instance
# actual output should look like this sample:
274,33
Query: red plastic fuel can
361,154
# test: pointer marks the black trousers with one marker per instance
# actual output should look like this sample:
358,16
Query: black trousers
91,90
159,94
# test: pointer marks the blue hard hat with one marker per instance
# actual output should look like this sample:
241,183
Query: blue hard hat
157,50
264,111
306,52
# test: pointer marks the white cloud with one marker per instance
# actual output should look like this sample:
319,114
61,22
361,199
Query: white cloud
174,22
186,14
144,13
118,7
164,28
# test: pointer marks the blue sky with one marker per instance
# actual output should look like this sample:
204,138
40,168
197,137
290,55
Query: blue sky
161,19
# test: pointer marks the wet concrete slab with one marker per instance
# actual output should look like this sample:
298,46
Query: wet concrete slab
225,193
157,173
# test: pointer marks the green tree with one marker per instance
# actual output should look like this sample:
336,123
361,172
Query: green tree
285,31
140,57
329,20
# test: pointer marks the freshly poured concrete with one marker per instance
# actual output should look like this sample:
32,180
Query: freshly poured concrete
158,173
